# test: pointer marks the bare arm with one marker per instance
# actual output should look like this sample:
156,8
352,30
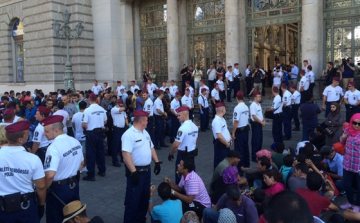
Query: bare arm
49,176
128,161
222,139
154,155
174,147
40,185
35,147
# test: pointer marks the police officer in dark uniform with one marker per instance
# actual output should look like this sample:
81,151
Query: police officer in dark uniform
63,162
138,150
18,200
94,122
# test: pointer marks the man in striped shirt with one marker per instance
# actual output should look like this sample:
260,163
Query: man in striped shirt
196,198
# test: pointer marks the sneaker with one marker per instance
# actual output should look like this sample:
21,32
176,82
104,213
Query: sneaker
356,209
347,205
84,169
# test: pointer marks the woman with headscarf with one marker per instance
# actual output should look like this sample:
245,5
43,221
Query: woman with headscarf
351,163
334,123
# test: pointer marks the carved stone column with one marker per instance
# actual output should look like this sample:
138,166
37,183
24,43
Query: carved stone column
137,40
173,40
242,39
183,40
232,31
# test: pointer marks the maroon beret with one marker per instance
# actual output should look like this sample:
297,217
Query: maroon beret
52,119
247,65
18,127
202,80
43,109
9,111
283,85
229,67
215,84
95,81
140,113
275,88
239,93
256,93
220,75
120,101
178,93
336,79
306,61
164,81
145,92
303,71
203,89
235,64
105,82
119,82
187,89
293,86
172,81
92,95
181,109
219,104
352,83
309,67
133,81
149,79
160,91
187,82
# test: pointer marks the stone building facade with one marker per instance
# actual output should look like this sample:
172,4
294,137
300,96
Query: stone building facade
122,38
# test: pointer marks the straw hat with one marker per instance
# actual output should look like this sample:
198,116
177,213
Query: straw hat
72,209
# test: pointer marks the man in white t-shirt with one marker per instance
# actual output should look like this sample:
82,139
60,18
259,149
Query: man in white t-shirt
229,82
79,131
133,86
187,101
277,74
221,87
65,114
311,78
211,72
96,88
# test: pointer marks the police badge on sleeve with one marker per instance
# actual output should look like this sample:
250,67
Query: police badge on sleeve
179,134
47,162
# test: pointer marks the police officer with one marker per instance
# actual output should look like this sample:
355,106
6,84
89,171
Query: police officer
148,107
229,82
187,101
19,171
137,150
185,141
286,99
257,123
215,98
191,89
311,78
120,122
237,76
160,115
204,110
40,142
278,115
332,93
175,124
222,137
352,101
173,89
240,131
94,121
303,85
151,87
64,160
96,88
295,104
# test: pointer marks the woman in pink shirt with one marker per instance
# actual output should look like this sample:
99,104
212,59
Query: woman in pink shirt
272,180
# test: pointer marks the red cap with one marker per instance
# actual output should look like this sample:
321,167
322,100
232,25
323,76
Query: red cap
187,89
235,64
293,86
52,119
278,62
164,81
95,81
302,71
145,92
215,84
275,88
202,80
43,109
133,81
181,109
187,82
105,82
352,83
92,95
309,67
139,113
283,85
149,79
120,101
336,79
172,81
219,104
306,61
203,89
229,66
9,111
119,82
256,93
160,91
239,93
220,75
178,93
247,65
18,127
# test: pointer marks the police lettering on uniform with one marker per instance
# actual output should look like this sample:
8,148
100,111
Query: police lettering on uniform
173,89
295,104
94,121
138,150
257,122
332,93
175,124
160,115
148,107
277,108
222,137
204,110
286,99
63,162
303,85
96,88
133,87
19,171
229,82
185,141
120,122
40,142
215,98
240,131
187,101
352,101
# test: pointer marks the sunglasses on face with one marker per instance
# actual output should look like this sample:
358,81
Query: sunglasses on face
350,86
356,123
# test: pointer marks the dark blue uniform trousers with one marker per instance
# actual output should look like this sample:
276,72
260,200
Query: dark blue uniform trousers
242,146
277,128
54,213
159,129
29,215
222,95
228,92
287,121
179,157
256,139
236,86
220,153
248,85
137,199
295,115
116,144
204,119
96,154
175,124
150,128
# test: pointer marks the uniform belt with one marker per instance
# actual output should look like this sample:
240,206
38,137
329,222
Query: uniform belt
192,153
243,129
25,197
254,122
329,102
65,181
115,127
96,130
142,169
278,114
287,107
16,202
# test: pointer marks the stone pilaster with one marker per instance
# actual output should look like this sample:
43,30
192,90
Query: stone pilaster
173,40
232,31
137,40
183,40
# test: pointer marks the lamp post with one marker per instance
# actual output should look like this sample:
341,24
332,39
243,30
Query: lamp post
66,32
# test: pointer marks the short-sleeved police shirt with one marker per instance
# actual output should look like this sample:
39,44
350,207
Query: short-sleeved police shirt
277,104
311,76
18,169
352,97
229,75
241,114
187,101
304,82
173,90
133,88
296,96
96,89
118,89
118,117
95,116
202,100
64,156
219,126
151,88
187,136
158,105
221,85
138,144
175,104
215,94
333,93
287,98
40,137
255,109
148,107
